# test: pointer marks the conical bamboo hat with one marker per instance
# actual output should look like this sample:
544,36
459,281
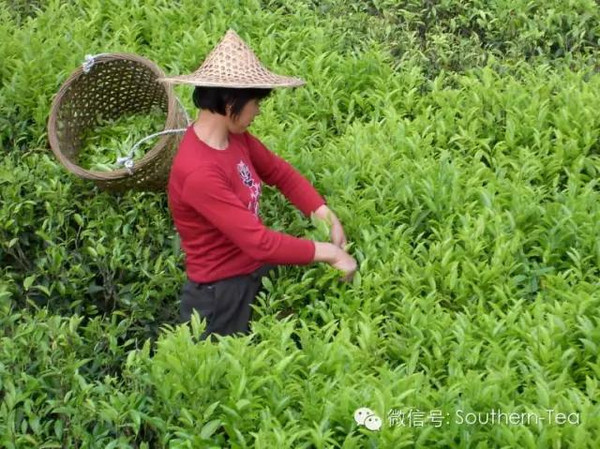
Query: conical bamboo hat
233,64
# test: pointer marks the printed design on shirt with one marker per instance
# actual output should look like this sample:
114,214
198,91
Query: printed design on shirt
254,186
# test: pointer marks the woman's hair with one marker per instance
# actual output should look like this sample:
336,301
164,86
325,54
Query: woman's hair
215,99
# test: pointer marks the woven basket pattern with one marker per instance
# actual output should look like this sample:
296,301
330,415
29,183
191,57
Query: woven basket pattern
232,63
117,84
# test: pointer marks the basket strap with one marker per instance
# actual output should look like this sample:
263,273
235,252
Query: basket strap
187,117
89,62
128,162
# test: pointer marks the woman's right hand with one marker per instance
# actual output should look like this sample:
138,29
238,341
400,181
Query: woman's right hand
346,263
337,258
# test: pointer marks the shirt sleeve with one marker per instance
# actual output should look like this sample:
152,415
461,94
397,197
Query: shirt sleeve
277,172
208,192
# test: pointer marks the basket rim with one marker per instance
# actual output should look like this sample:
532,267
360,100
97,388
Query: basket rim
118,174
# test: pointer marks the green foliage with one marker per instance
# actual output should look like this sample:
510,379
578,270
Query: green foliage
457,142
113,139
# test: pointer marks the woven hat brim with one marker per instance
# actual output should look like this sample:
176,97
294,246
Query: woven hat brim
275,81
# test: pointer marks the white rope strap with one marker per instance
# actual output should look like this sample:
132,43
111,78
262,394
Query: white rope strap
128,161
89,62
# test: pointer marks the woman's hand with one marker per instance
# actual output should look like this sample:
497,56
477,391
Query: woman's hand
346,263
337,258
338,238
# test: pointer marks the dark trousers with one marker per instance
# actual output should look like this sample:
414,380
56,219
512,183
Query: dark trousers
225,304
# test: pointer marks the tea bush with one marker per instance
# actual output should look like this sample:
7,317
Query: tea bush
456,141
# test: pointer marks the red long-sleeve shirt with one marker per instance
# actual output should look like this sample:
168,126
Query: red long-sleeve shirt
214,198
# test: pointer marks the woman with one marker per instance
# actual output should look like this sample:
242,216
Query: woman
214,190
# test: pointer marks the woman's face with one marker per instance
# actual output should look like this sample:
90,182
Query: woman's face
244,120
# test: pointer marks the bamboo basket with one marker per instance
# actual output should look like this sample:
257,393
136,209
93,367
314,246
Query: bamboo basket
114,85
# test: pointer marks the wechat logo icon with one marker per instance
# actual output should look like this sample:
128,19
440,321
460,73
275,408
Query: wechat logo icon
366,417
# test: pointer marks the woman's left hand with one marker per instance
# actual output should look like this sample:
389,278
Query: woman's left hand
338,238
